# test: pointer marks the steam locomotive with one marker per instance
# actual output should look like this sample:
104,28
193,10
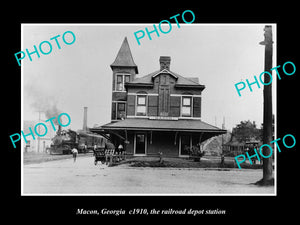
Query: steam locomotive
84,141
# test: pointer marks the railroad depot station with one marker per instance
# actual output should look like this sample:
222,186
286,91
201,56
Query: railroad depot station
158,112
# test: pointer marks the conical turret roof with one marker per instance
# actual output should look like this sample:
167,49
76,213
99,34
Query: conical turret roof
124,57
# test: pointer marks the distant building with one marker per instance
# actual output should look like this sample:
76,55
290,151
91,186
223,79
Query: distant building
39,144
235,147
245,137
158,112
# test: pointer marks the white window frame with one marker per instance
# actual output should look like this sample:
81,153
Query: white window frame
123,81
146,104
181,105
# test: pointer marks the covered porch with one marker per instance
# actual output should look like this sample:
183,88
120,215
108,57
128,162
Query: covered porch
146,137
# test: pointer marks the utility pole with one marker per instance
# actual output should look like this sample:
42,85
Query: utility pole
267,111
84,128
223,127
38,147
223,155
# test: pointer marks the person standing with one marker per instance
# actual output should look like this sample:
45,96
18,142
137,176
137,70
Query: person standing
94,149
222,160
85,148
120,151
75,152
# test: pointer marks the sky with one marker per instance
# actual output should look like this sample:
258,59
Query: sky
79,75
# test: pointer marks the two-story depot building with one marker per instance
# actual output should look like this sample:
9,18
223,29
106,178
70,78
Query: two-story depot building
159,112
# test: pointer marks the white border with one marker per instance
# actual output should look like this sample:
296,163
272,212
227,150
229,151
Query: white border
22,118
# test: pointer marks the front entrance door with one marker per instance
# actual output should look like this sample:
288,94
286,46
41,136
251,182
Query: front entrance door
185,144
140,144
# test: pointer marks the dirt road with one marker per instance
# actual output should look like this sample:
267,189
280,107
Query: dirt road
83,177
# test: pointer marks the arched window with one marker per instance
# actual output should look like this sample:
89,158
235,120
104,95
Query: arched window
141,93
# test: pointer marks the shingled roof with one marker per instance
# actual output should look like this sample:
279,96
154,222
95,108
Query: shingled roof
144,124
171,125
181,81
124,57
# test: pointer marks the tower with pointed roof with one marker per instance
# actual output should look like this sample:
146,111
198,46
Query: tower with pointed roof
124,71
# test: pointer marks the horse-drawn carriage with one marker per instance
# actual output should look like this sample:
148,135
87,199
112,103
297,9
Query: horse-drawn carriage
108,155
99,155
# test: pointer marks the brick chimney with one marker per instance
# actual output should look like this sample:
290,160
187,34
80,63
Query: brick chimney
85,118
164,62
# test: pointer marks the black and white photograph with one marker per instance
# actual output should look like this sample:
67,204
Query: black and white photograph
106,112
150,114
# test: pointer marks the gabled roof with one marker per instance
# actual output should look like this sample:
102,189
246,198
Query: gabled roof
195,79
165,71
124,57
181,81
145,79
